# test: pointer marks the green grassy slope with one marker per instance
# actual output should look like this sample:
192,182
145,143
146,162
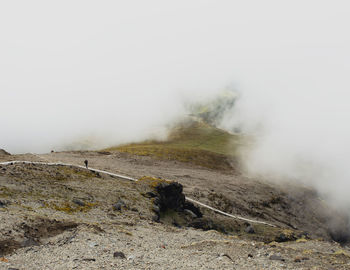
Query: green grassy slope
194,142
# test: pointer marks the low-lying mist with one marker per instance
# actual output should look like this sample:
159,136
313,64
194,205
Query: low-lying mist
84,74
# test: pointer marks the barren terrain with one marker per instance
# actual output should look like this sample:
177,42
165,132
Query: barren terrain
57,217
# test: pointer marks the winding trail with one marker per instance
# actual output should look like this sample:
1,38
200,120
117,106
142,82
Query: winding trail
7,163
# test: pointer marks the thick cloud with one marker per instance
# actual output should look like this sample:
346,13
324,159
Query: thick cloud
117,71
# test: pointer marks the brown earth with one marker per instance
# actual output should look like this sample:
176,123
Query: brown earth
56,217
4,153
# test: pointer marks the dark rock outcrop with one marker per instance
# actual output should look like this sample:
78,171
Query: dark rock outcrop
168,201
170,196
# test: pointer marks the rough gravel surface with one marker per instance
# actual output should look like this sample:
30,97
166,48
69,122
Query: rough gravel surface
63,218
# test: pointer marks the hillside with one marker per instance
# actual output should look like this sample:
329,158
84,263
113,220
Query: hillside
67,217
194,142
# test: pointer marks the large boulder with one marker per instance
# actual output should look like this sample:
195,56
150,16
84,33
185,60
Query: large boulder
170,196
168,201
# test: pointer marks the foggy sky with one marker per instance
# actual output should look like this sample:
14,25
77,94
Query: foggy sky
118,71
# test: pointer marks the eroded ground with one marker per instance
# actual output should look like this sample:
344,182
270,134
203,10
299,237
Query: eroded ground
55,217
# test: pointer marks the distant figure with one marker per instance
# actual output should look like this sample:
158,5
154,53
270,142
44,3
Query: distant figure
86,163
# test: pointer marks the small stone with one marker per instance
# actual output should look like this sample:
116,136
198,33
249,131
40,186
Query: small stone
121,202
117,206
119,254
3,204
78,202
249,229
131,257
250,255
93,244
297,260
277,258
155,218
190,213
156,209
89,260
281,238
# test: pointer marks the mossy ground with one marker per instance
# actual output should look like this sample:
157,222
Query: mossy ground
69,207
60,190
193,142
153,182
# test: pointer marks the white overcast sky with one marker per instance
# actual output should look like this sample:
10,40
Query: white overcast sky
116,69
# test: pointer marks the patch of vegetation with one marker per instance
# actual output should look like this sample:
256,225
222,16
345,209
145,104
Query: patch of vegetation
65,173
5,192
69,207
273,235
153,182
193,142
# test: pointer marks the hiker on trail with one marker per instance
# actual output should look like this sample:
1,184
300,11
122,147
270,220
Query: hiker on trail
86,163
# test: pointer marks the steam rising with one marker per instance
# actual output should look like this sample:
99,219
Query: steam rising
302,137
118,71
